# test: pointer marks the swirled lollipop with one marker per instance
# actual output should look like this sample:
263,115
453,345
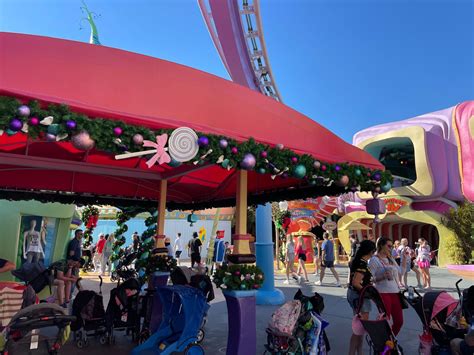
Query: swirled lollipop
183,144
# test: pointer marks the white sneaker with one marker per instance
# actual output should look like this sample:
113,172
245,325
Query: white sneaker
338,284
299,279
286,282
318,283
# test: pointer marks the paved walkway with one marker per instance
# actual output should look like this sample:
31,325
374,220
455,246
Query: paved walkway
337,312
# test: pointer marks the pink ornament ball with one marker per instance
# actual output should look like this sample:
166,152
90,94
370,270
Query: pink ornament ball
118,131
343,181
294,160
34,121
137,139
24,110
256,286
317,164
280,146
264,154
82,141
234,150
323,167
237,273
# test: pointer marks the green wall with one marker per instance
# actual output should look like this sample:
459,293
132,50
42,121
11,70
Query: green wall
10,221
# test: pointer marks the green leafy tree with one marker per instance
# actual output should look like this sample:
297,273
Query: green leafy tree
461,221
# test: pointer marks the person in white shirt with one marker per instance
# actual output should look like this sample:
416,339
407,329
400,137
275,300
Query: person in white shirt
178,248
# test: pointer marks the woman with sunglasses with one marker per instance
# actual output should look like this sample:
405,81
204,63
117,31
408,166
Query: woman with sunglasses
385,272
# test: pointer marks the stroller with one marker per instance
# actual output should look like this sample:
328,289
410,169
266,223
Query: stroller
183,311
442,317
124,271
186,276
121,314
31,329
35,275
380,338
297,327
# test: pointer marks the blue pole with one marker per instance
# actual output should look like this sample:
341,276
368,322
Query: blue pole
267,294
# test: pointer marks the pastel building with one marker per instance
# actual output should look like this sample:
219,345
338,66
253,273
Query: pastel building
432,159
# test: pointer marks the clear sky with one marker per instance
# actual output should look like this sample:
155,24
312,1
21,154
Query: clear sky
347,64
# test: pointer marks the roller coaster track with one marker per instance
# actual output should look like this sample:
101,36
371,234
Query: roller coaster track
236,29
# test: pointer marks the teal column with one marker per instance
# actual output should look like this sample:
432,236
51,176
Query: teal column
267,294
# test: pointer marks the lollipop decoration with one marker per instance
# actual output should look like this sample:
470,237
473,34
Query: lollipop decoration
183,144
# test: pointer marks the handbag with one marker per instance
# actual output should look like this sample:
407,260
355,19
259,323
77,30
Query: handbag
403,301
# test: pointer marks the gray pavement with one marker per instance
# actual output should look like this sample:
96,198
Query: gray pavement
337,312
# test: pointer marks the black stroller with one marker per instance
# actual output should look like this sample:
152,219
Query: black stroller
441,315
124,271
380,339
32,328
93,320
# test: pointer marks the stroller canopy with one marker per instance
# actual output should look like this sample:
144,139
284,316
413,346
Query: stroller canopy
184,308
435,302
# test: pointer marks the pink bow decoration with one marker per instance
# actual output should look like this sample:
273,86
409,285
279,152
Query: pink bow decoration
160,156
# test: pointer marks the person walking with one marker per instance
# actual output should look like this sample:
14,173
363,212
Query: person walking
317,254
423,261
301,253
194,248
359,277
327,260
385,271
99,248
135,242
178,248
290,261
106,253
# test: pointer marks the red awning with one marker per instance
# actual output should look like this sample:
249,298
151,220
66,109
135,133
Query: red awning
141,90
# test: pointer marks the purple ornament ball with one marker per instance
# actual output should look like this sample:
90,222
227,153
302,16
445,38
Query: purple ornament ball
50,137
34,121
377,176
118,131
284,175
71,125
264,154
82,141
249,161
24,110
337,168
203,141
234,150
137,139
15,124
223,143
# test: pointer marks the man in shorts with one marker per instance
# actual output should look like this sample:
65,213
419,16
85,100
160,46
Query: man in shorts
327,260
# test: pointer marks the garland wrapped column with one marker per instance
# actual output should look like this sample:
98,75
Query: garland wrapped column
90,217
118,251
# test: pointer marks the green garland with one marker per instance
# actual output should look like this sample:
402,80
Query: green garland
87,213
241,277
269,160
118,251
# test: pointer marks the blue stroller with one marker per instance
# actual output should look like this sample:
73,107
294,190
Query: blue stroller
184,308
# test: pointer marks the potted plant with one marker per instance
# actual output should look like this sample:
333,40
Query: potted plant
239,284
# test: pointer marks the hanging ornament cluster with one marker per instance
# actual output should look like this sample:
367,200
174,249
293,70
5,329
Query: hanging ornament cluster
181,146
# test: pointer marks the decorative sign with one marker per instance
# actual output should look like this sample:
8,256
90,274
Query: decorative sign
329,226
394,204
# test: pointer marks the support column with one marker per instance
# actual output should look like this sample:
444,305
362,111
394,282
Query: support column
267,294
160,229
241,253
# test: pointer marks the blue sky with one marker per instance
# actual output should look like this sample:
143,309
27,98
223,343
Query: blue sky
346,64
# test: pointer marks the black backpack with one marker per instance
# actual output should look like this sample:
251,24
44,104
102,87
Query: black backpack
35,275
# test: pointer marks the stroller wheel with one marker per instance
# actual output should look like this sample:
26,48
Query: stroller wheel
103,340
194,349
200,335
80,343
